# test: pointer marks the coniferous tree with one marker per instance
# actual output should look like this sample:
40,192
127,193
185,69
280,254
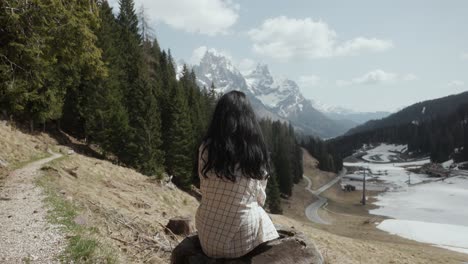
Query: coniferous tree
76,62
273,200
179,141
48,49
106,118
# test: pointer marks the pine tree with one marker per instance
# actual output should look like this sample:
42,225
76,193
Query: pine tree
131,57
179,141
48,49
145,145
106,121
273,200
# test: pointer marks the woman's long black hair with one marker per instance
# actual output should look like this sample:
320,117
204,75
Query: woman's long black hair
234,140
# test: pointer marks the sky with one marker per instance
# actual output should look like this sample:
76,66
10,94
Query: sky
363,55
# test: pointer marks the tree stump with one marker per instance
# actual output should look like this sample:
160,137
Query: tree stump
180,226
291,248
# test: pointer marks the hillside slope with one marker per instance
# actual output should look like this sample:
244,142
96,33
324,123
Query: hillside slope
124,212
416,113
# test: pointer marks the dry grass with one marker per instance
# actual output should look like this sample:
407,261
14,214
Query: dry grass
128,209
18,148
318,177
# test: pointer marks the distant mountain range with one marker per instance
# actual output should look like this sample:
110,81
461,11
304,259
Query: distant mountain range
417,113
278,98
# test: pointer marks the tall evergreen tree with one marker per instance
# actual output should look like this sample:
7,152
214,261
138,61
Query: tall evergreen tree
179,141
273,200
48,49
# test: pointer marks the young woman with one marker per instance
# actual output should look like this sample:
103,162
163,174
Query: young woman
233,169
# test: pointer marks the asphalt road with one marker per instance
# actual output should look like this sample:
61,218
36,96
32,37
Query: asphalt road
311,211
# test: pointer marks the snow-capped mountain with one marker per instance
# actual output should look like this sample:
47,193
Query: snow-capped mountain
353,118
275,98
219,70
284,98
216,68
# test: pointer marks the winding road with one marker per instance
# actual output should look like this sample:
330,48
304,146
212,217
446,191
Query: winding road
311,211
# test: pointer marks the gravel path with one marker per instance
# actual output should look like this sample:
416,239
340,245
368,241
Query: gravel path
25,234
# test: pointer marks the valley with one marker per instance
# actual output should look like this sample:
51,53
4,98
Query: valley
424,208
123,213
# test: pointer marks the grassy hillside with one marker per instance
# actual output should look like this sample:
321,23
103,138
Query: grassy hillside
113,214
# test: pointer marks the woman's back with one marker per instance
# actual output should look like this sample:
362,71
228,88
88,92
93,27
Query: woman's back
232,167
230,220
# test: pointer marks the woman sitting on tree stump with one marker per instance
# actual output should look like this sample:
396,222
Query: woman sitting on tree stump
233,167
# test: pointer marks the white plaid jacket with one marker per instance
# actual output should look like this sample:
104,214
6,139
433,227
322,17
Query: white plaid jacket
230,220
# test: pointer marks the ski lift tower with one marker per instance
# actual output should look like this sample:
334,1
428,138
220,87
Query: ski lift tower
363,201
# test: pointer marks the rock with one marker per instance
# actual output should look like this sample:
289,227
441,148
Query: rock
291,247
180,226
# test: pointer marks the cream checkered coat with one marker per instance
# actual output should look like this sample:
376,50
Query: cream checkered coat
230,219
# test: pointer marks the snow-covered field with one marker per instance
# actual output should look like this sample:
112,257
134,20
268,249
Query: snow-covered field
384,153
452,237
427,210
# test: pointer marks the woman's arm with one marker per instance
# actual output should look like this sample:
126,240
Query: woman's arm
261,192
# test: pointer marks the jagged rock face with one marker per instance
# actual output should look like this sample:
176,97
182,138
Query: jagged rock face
218,69
283,96
277,99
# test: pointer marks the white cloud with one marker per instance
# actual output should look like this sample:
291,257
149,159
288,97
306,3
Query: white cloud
208,17
284,38
359,45
410,77
246,65
456,83
377,77
198,53
464,56
306,81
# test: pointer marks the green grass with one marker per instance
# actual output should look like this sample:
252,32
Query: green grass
82,246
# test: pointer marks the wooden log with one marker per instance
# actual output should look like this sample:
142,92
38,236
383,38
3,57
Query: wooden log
180,226
291,248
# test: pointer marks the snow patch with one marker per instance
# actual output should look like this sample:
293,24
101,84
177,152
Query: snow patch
384,153
452,237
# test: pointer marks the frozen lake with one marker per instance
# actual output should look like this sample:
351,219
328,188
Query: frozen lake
427,210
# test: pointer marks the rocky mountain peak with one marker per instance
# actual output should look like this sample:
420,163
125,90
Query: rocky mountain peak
217,68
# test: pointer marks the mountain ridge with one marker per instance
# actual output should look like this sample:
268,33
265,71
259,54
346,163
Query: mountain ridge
271,97
416,113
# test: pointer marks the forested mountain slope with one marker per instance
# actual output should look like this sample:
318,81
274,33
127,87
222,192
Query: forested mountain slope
417,113
444,136
103,79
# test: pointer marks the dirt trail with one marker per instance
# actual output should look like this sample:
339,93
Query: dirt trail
25,234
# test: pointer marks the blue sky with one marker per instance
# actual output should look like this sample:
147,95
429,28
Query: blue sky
362,55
